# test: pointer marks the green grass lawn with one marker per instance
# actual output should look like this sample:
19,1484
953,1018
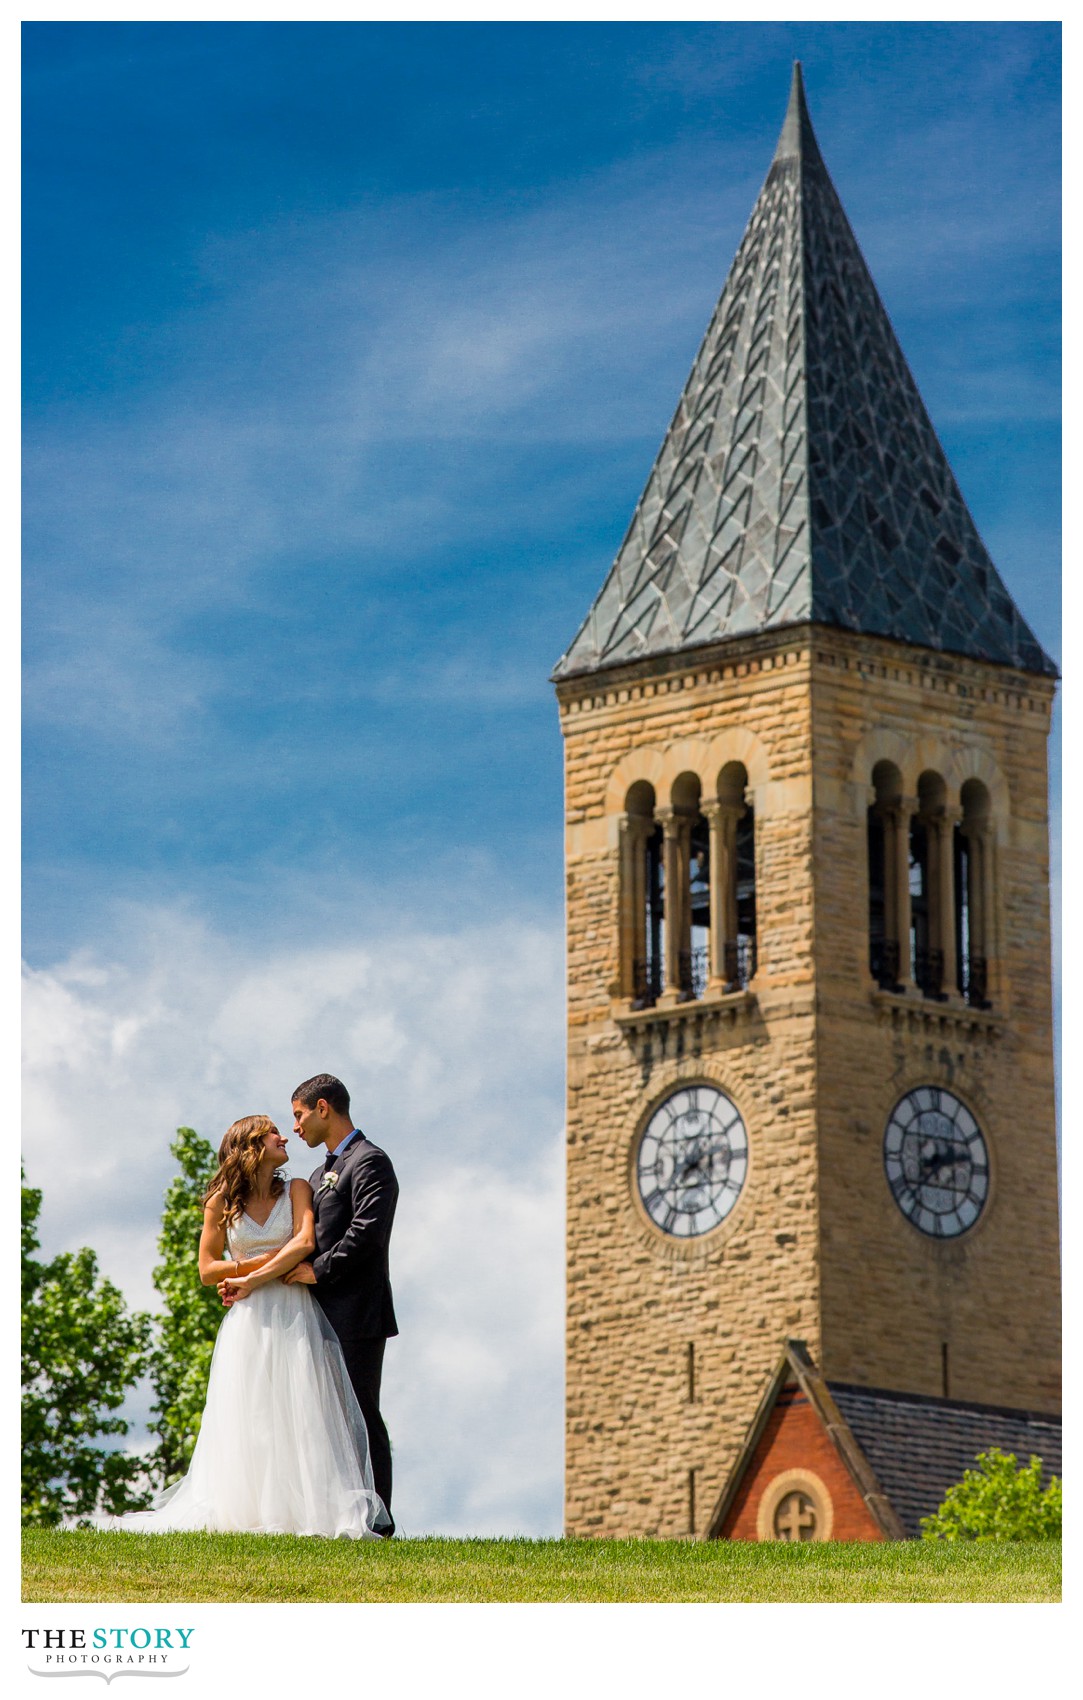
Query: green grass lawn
93,1567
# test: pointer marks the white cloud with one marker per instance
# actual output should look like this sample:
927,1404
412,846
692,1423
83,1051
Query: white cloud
451,1043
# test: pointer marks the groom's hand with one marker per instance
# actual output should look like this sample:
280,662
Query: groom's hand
304,1273
226,1293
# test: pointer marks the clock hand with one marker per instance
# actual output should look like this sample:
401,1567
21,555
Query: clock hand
691,1163
936,1160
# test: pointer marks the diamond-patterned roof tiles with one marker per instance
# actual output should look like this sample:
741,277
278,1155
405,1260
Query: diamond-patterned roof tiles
801,478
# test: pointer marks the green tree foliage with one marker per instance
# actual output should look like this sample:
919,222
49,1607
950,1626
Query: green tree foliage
82,1349
999,1501
189,1324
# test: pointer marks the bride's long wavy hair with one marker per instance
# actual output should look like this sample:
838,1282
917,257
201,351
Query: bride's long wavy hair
239,1158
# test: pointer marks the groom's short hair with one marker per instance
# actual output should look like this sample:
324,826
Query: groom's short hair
324,1086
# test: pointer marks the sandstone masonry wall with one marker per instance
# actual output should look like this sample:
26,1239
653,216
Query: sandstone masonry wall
814,1059
901,1309
637,1301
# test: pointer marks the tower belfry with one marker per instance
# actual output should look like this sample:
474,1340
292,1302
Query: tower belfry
810,1041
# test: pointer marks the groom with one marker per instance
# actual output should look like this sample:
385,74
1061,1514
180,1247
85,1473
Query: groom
354,1197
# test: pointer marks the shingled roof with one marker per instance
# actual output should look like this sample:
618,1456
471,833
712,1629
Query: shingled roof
801,478
918,1447
902,1451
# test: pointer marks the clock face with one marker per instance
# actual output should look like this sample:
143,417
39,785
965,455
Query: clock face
692,1161
936,1162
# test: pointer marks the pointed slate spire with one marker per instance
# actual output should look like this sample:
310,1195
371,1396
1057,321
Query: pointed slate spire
801,478
797,139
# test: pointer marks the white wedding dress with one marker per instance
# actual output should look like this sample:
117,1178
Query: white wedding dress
282,1447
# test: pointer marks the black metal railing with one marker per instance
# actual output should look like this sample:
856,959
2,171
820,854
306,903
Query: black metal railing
975,981
739,961
693,968
646,983
884,964
693,972
929,972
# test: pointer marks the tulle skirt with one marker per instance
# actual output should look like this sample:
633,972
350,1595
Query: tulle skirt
283,1447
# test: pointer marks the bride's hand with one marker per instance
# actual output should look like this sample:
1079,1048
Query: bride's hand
237,1287
303,1273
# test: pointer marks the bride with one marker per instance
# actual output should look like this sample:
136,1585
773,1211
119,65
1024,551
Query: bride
282,1446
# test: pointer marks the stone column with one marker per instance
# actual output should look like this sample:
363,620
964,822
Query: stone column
630,920
678,921
731,814
990,937
712,811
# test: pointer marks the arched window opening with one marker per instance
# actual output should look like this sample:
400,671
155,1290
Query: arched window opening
650,968
888,864
686,960
687,899
923,965
971,858
642,898
733,866
932,932
699,897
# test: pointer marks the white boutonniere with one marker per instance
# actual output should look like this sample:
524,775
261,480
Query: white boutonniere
329,1182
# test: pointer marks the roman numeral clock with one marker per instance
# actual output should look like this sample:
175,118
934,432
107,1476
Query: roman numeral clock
691,1161
810,1080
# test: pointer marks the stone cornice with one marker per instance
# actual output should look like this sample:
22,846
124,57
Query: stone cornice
871,659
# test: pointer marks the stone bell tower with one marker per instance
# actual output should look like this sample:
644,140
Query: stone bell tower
810,1074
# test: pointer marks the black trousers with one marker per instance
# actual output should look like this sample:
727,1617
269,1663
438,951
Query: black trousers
365,1365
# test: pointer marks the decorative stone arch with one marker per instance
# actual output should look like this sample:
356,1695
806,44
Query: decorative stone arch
739,745
931,883
691,826
967,931
982,824
633,795
647,762
929,754
879,745
887,874
663,764
739,791
974,762
682,758
955,846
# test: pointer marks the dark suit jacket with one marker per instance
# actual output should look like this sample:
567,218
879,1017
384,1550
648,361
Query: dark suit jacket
353,1229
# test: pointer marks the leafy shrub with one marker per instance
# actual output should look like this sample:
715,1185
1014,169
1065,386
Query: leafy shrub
999,1501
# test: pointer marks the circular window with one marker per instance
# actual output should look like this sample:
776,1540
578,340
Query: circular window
795,1506
936,1162
692,1161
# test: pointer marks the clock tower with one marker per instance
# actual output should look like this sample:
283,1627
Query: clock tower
810,1072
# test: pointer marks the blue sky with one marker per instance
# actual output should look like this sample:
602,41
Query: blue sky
347,352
